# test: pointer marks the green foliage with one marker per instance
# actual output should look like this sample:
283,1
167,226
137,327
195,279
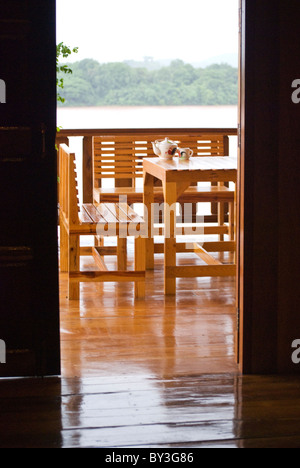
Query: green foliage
119,84
62,51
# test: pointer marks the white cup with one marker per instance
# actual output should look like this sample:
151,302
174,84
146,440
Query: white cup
185,153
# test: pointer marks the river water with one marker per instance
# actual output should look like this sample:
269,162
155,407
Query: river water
148,117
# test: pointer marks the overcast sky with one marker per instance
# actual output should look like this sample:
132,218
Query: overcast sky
117,30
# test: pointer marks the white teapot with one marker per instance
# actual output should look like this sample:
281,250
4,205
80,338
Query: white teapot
165,149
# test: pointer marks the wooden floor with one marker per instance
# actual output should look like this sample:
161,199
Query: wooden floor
158,373
110,333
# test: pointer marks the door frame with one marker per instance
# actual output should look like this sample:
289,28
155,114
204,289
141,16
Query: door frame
268,209
29,306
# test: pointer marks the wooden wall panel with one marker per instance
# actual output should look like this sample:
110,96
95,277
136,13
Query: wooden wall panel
288,188
269,300
29,302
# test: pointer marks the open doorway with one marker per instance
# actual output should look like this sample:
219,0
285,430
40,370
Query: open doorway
193,333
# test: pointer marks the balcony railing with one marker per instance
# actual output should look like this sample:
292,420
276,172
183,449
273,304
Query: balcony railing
87,135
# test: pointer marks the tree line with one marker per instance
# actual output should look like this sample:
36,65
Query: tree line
119,84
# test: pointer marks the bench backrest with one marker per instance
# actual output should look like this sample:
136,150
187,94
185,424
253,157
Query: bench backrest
120,157
68,191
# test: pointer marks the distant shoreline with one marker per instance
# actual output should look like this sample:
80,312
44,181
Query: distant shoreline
176,107
120,84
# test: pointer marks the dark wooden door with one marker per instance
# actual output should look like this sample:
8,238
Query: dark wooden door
269,294
239,216
29,306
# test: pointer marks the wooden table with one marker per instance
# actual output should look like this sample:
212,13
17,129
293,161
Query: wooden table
176,176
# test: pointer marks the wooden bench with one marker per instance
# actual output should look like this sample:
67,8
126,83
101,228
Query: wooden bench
98,220
118,167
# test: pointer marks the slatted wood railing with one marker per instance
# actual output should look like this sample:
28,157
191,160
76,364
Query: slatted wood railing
120,157
188,136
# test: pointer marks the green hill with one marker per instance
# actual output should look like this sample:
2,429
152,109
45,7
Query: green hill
120,84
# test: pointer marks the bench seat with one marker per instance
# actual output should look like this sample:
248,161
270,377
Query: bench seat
98,220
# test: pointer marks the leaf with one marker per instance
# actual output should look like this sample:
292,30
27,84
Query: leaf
64,51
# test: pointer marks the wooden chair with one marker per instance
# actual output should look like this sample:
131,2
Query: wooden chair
119,160
105,219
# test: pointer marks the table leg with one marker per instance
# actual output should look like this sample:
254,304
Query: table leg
148,218
122,254
74,265
170,193
139,262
